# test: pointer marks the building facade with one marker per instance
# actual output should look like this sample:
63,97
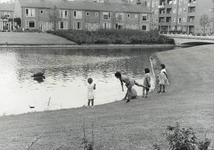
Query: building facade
81,15
181,16
6,16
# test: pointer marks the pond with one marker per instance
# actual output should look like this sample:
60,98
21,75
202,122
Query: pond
66,73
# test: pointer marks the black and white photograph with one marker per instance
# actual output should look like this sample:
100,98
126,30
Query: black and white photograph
107,74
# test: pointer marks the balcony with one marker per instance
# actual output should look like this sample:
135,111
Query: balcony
191,3
169,2
161,6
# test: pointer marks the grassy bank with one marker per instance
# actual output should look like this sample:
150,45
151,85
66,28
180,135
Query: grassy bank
137,125
23,38
113,37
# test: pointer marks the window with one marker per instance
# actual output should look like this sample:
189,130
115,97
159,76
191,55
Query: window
144,27
133,27
63,25
26,24
119,26
145,17
30,12
179,20
91,26
63,14
30,24
128,15
153,4
180,11
40,25
87,14
96,14
106,25
41,11
106,16
77,14
77,25
119,16
156,3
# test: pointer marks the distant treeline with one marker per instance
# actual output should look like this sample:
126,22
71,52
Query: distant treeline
113,36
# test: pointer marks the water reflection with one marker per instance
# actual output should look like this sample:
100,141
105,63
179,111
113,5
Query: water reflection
66,72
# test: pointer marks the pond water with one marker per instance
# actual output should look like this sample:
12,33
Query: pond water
66,73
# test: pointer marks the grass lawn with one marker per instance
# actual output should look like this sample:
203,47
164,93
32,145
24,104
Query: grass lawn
137,125
23,38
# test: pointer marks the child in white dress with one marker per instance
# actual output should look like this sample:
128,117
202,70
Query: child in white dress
163,79
146,83
91,92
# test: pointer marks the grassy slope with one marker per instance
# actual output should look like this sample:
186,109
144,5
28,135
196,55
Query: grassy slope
31,38
136,125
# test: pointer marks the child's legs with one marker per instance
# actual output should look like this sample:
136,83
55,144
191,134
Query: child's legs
129,88
92,102
144,92
163,88
89,102
160,87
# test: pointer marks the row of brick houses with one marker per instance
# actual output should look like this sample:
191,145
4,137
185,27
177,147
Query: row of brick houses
82,15
165,15
6,12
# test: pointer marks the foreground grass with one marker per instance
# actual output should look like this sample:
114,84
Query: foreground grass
119,126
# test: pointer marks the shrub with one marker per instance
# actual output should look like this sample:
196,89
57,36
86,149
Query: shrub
104,36
183,139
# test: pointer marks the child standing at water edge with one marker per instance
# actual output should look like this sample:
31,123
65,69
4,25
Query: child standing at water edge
146,83
163,79
91,92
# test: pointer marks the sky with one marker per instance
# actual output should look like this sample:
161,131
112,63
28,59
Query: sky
2,1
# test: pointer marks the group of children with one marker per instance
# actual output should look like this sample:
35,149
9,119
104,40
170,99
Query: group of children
162,80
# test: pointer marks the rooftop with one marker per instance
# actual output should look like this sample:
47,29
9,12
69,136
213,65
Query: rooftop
6,7
82,5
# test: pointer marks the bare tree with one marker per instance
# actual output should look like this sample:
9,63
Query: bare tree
54,16
205,21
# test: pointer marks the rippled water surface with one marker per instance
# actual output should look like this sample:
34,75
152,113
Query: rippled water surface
66,71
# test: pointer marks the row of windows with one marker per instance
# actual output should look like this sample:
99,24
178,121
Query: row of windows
78,25
170,3
30,12
168,19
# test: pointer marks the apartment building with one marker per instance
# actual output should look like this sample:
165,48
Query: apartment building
82,15
181,15
109,1
6,16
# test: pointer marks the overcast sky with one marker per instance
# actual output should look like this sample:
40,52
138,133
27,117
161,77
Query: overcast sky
2,1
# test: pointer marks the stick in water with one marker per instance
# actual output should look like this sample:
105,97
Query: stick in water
49,101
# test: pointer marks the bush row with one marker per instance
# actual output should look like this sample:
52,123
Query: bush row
113,37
